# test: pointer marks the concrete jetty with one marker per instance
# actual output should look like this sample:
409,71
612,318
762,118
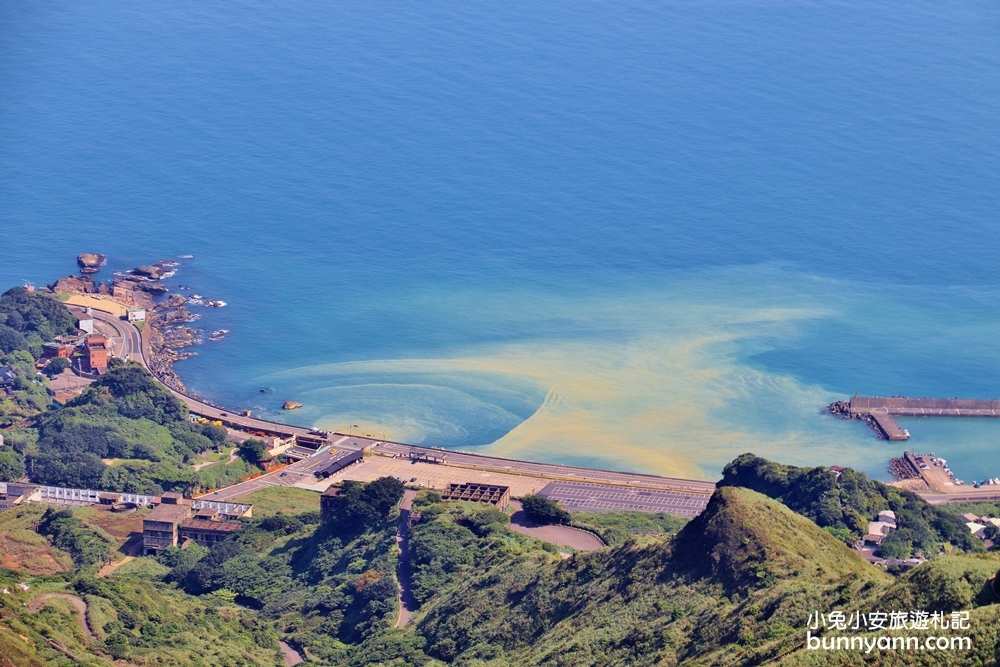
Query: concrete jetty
879,411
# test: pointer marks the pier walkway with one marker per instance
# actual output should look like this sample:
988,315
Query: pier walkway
879,411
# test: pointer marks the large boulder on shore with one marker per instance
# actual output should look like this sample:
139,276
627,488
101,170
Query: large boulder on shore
73,285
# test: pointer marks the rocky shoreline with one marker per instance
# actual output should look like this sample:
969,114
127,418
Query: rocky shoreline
167,320
168,336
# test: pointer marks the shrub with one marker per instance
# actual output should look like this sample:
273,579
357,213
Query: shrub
56,366
541,509
11,465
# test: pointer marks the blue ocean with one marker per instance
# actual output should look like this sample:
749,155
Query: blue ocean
637,235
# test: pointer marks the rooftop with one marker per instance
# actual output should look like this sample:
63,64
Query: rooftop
169,513
879,527
204,524
174,498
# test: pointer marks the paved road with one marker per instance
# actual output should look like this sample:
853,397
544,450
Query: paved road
407,603
562,536
972,496
132,348
588,497
698,488
550,470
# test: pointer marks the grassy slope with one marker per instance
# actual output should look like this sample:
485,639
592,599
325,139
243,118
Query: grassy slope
170,628
618,527
747,572
21,548
735,587
281,499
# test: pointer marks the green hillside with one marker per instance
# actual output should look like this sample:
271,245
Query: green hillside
845,503
128,418
735,586
732,588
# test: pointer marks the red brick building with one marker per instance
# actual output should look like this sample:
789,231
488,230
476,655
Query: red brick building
97,353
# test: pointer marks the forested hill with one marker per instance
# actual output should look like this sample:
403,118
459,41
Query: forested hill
735,587
29,319
125,432
845,503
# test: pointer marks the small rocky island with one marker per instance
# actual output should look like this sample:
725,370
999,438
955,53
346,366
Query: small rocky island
291,405
90,262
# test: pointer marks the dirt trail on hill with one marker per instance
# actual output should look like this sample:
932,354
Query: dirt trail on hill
289,656
78,602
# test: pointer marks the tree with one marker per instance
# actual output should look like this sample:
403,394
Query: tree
82,470
35,313
359,506
541,509
136,395
11,465
11,339
116,645
895,546
56,366
252,450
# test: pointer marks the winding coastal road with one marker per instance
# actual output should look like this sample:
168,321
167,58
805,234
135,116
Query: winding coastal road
689,495
133,348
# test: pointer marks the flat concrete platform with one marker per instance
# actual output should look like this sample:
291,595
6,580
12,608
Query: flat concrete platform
879,411
429,474
588,497
563,536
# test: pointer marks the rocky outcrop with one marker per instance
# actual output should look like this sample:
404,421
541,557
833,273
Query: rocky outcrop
73,285
291,405
90,262
153,272
175,301
140,286
843,410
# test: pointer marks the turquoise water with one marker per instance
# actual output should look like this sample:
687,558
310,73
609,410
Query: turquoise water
634,235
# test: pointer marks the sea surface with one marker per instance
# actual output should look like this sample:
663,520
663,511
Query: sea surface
637,235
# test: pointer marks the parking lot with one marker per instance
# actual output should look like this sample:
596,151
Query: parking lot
587,497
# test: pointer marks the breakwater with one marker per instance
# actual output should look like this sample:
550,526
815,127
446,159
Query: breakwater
878,411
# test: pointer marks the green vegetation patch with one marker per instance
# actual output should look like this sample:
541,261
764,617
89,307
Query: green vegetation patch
281,500
88,547
618,527
28,319
129,417
846,503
